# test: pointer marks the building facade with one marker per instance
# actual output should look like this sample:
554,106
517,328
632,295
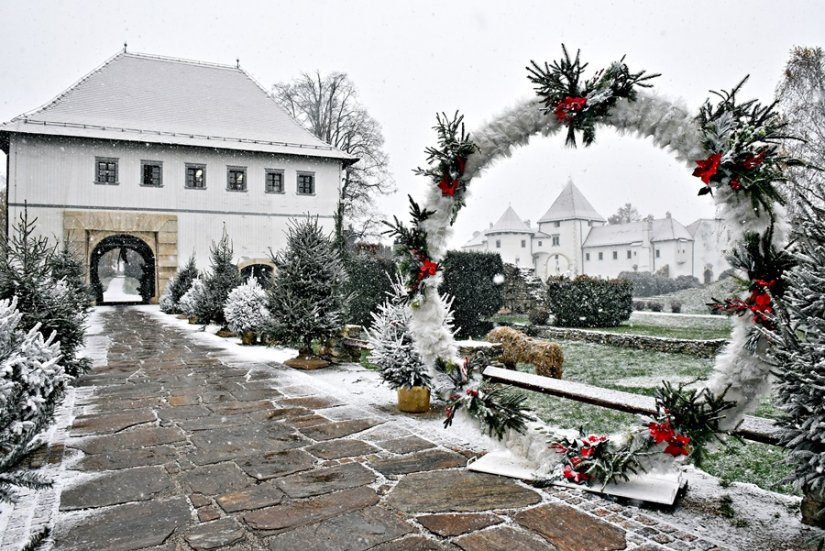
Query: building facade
572,238
161,156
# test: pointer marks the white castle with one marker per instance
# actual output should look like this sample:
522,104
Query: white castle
572,238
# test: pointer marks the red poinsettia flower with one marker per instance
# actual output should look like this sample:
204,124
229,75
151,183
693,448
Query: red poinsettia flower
576,461
574,476
735,184
558,447
428,268
587,452
764,283
460,162
594,439
706,168
660,432
448,412
761,299
752,161
567,105
472,392
678,445
448,186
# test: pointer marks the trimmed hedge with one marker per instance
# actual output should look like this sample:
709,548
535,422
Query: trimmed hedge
468,278
589,302
646,284
368,282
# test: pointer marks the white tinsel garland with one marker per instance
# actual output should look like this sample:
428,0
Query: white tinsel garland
671,127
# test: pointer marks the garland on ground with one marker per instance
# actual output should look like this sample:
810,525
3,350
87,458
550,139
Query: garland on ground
686,421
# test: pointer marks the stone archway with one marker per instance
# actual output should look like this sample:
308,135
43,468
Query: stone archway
124,242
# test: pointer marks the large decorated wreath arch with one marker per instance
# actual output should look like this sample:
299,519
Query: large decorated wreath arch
733,147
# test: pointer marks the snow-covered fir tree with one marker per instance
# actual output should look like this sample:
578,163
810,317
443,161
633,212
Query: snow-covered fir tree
305,299
67,265
189,300
51,305
223,276
393,348
181,282
167,305
246,308
799,356
32,381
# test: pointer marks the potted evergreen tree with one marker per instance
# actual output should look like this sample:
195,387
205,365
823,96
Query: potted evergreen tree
305,300
394,352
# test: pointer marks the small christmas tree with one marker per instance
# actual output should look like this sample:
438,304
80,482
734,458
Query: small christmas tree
305,299
181,282
222,278
26,263
65,264
246,310
31,384
191,298
799,357
393,348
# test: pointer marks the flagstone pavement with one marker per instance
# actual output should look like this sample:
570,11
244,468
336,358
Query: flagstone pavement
167,446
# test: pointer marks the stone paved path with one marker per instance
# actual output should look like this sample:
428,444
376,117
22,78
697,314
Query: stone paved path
172,448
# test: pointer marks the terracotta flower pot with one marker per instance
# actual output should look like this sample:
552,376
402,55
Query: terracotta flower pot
414,399
248,337
811,506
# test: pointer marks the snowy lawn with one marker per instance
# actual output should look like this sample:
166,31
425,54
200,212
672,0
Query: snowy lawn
640,371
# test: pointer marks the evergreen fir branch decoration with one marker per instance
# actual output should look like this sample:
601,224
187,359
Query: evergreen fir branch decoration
305,299
581,105
393,348
497,409
410,248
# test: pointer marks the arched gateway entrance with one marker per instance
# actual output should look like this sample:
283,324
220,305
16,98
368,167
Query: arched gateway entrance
122,270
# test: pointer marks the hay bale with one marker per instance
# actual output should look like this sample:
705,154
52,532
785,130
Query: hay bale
546,357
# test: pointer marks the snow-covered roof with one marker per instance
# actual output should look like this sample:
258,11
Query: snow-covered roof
478,240
694,226
510,222
146,98
571,205
664,229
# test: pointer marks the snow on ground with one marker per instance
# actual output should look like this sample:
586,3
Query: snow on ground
116,291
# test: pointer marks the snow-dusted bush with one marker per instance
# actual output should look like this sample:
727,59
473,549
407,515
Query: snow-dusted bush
246,308
190,298
223,276
393,348
166,303
32,381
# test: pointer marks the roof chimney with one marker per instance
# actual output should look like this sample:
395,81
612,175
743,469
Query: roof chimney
491,225
667,215
527,222
475,233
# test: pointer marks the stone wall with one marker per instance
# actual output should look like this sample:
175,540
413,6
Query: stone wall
702,348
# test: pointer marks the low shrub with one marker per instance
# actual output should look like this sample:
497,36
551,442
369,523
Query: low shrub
246,308
589,302
675,306
639,305
538,316
469,279
655,306
646,284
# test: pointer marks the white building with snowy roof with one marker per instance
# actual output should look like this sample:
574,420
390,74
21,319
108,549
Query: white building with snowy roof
573,238
157,156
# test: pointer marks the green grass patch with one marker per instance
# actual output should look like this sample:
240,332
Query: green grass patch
689,331
640,371
510,318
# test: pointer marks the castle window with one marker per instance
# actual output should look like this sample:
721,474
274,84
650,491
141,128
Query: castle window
523,243
306,183
601,256
274,181
657,253
236,178
498,243
151,173
555,240
556,224
106,170
587,256
195,176
629,254
540,244
615,255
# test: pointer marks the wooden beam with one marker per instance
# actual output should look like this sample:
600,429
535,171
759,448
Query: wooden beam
757,429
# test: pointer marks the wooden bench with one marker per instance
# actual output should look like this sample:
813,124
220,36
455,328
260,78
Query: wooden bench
757,429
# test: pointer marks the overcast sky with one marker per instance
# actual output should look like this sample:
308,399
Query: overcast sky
410,60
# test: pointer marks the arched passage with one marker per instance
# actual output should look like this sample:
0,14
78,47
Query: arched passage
261,272
144,271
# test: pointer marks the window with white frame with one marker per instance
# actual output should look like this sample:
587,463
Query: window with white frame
106,170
